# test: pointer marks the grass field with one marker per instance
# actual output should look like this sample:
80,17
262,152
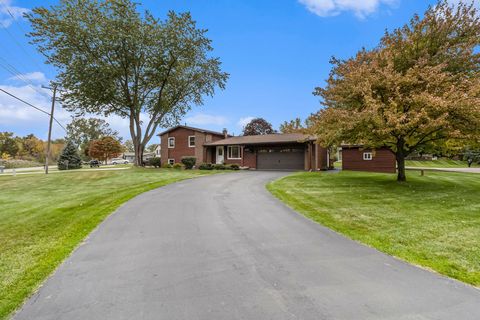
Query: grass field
43,218
442,163
432,221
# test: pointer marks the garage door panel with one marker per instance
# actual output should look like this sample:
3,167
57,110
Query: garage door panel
280,161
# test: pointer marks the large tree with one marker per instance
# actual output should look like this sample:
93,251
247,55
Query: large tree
258,126
419,88
83,130
105,148
113,60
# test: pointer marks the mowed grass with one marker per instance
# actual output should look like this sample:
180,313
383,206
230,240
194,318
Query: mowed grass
43,218
432,221
441,163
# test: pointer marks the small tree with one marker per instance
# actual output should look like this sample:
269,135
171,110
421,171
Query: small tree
258,126
105,148
69,158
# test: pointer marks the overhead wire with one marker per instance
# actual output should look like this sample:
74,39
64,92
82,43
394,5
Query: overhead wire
31,105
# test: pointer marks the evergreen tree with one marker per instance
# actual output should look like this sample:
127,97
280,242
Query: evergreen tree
69,159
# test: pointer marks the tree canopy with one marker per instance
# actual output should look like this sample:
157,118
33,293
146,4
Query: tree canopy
113,60
419,88
105,148
258,126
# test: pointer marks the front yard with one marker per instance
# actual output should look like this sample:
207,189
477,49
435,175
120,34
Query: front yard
43,218
432,221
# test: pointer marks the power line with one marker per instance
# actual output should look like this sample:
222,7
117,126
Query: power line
18,75
21,46
31,105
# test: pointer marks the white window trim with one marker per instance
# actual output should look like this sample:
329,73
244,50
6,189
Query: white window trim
367,156
194,141
239,153
168,142
171,161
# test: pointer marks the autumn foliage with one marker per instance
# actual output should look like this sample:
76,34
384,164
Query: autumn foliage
419,88
105,148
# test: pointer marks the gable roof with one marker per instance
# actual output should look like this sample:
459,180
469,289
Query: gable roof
191,128
263,139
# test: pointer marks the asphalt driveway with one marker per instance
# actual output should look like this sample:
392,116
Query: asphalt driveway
221,247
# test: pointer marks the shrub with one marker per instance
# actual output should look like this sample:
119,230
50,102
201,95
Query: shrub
205,166
17,163
166,165
189,162
69,159
219,167
178,166
154,162
234,166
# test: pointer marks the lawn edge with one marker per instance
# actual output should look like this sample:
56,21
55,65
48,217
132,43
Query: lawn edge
277,196
84,240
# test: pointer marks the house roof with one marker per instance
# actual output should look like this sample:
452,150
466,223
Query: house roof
263,139
190,128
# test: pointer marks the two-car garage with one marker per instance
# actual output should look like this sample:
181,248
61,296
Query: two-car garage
281,158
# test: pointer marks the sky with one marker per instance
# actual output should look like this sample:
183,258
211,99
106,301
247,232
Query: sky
276,52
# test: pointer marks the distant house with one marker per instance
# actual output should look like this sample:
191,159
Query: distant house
266,152
359,158
130,156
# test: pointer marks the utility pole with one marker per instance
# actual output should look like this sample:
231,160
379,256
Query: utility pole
50,126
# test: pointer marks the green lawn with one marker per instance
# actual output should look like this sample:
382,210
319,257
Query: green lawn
432,221
442,163
43,218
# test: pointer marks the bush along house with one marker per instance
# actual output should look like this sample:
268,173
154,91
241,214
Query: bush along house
292,151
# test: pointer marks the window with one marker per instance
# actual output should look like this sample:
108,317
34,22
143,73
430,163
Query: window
233,152
171,161
171,142
367,156
191,141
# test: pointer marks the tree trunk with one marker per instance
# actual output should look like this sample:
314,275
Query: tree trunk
401,166
138,155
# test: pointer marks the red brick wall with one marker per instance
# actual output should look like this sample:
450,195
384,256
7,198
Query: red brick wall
181,145
383,160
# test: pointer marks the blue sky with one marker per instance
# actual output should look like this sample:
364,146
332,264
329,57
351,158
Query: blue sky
276,51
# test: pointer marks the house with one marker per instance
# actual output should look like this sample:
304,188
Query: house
359,158
130,156
266,152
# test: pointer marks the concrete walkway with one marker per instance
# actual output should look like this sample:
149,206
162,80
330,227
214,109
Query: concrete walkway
221,247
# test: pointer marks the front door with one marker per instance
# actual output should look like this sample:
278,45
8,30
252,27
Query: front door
220,156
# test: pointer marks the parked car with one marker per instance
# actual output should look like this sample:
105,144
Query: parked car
94,164
119,161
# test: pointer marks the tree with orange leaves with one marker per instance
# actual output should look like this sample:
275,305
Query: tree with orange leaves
420,87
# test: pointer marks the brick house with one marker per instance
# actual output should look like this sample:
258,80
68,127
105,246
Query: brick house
266,152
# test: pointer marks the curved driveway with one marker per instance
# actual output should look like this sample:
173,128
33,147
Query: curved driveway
221,247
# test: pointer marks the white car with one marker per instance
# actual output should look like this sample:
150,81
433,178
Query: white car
119,161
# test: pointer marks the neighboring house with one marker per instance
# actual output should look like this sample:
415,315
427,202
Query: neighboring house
158,150
358,158
130,156
266,152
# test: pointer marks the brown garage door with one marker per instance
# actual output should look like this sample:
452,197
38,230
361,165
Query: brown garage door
281,159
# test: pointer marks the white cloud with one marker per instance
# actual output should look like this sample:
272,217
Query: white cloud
37,77
361,8
206,119
9,13
244,121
